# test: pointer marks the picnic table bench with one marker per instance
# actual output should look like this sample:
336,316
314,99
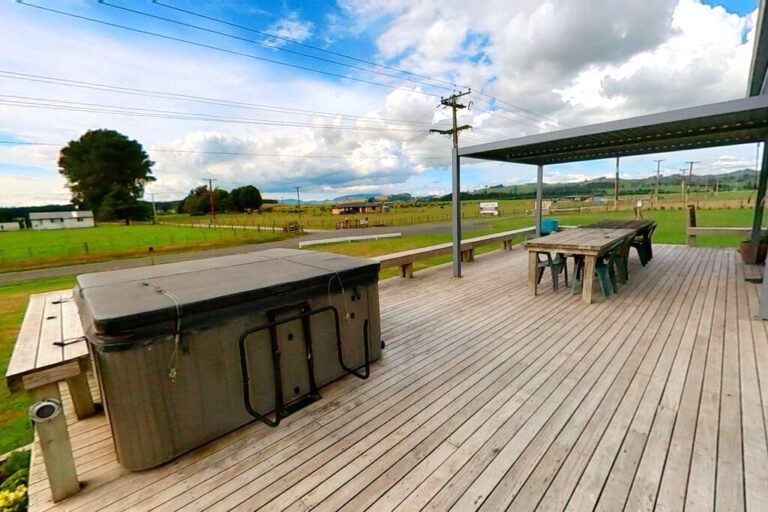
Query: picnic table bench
51,349
591,243
406,259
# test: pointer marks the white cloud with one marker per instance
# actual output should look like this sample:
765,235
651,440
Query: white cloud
572,62
291,27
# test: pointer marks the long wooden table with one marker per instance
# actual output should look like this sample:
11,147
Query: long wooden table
591,243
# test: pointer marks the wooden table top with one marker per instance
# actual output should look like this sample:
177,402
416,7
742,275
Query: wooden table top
636,224
594,241
50,336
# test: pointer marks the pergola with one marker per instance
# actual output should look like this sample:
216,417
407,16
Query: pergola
720,124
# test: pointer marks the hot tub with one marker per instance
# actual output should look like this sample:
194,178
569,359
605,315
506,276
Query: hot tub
186,352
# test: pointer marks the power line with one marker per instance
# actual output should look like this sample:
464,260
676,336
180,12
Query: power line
229,153
247,55
75,106
298,43
218,48
292,41
271,47
191,98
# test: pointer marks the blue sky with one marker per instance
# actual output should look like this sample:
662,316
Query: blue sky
342,99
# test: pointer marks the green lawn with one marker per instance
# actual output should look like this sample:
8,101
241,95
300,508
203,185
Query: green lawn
37,249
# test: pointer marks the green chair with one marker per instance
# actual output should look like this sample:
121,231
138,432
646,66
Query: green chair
604,270
606,273
557,265
642,244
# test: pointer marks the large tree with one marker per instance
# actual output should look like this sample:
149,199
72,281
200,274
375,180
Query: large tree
104,163
246,198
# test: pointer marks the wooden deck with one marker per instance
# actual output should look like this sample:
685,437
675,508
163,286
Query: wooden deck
488,398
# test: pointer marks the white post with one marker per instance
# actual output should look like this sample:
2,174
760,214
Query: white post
539,195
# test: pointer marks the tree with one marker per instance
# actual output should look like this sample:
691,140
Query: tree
119,204
246,198
104,163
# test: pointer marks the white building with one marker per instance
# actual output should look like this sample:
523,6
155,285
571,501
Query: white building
9,226
61,220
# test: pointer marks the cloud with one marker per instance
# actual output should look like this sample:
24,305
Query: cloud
550,64
291,27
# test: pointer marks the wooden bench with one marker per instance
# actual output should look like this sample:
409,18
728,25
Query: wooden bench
406,259
51,349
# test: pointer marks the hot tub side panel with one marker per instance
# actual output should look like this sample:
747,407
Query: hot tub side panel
154,418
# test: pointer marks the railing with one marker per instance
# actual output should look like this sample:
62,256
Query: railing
406,259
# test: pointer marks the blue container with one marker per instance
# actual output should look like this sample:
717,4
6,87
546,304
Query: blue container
549,226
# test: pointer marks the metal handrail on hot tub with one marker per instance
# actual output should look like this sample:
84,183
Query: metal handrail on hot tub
305,312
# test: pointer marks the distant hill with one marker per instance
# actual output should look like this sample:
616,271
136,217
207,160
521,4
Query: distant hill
742,179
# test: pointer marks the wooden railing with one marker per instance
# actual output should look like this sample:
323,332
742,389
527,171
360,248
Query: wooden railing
406,259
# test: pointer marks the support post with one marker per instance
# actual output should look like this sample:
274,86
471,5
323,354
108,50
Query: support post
616,187
691,239
56,448
757,221
539,196
456,213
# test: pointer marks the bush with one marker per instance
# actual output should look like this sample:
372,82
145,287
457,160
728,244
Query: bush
16,461
21,477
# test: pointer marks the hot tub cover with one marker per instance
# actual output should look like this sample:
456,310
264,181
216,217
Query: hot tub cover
202,292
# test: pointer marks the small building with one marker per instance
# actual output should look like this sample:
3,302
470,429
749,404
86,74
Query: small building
352,208
61,220
9,226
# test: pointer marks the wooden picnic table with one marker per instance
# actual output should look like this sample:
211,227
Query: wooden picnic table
591,243
51,349
642,240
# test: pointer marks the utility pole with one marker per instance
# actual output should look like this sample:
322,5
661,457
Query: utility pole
682,184
658,175
690,177
452,102
757,164
616,187
298,199
210,198
154,209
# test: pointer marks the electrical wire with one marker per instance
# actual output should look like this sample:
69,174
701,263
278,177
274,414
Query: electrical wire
247,55
299,43
271,47
192,98
230,153
218,48
74,106
338,54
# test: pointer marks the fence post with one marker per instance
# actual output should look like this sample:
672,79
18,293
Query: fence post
691,239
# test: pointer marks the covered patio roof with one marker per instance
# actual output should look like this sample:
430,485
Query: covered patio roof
719,124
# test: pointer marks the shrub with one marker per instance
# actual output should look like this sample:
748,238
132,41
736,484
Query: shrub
16,461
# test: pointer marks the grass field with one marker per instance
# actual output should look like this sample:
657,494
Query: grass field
402,214
21,250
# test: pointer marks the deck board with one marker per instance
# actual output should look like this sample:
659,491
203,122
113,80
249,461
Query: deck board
488,398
